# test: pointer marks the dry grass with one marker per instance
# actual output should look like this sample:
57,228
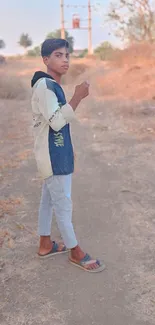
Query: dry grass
16,160
23,155
8,206
4,164
133,83
6,237
16,75
130,75
12,87
75,71
137,54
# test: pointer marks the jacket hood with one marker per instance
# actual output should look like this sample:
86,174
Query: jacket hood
38,75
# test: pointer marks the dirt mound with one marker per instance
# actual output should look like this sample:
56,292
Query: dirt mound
131,75
134,83
135,54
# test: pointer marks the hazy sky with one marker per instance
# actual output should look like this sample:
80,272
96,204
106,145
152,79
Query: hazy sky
38,17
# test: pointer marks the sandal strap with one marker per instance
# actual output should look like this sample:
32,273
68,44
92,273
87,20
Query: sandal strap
87,260
55,247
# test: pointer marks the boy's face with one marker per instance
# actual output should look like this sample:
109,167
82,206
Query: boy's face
58,61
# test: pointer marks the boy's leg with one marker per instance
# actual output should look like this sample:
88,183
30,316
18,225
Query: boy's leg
60,191
45,220
45,212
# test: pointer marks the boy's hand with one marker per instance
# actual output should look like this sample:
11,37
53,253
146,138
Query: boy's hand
82,90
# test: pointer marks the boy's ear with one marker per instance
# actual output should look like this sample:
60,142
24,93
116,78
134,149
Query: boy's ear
45,60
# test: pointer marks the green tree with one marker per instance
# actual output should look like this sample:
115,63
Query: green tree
25,41
84,53
133,20
104,51
2,44
68,37
36,51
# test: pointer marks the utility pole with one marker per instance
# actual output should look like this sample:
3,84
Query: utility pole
62,19
76,22
90,48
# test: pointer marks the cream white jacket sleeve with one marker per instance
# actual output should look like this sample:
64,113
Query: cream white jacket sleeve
56,115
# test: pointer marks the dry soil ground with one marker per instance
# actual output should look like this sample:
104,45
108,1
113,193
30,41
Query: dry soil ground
114,214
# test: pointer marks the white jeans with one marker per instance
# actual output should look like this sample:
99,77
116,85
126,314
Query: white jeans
56,196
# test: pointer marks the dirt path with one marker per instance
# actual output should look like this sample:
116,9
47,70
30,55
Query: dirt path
114,203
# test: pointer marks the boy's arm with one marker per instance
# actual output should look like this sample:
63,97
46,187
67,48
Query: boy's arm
58,116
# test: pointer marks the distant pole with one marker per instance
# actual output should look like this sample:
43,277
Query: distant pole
62,19
90,47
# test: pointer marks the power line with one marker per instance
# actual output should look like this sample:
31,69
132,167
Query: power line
78,6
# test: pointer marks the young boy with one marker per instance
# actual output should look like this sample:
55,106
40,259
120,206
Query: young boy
54,153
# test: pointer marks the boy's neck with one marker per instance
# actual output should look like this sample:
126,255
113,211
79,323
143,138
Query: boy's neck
55,76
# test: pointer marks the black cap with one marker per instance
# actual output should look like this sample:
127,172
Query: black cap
52,44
